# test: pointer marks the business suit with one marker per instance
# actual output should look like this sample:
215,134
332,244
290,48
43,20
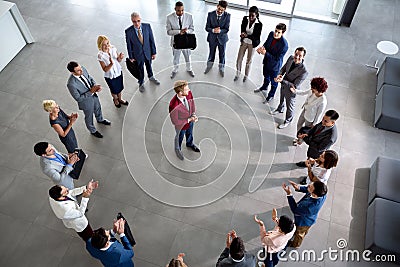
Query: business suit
293,78
179,115
173,28
225,260
319,141
57,172
87,102
116,255
217,39
142,53
272,61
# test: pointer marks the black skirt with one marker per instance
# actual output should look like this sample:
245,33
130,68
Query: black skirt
116,85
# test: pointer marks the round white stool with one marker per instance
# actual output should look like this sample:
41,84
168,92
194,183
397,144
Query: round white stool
386,48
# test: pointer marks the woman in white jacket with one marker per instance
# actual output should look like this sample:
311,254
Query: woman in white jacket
313,107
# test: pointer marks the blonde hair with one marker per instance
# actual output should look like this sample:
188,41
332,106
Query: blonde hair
179,85
48,105
100,40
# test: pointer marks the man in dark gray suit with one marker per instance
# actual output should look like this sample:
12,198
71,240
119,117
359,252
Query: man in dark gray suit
83,89
292,74
234,254
217,27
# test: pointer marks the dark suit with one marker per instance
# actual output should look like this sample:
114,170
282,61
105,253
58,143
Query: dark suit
87,101
217,39
116,255
141,53
179,115
272,61
226,261
255,37
292,78
318,143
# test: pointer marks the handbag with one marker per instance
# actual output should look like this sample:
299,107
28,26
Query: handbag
185,41
133,68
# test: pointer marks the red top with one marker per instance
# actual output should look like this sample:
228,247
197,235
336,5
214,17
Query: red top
178,112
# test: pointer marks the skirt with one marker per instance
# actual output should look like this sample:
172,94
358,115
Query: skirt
116,85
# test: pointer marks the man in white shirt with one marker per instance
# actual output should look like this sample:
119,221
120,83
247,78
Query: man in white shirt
180,22
66,207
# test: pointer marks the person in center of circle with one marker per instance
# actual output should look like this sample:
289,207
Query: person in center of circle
62,124
109,61
249,39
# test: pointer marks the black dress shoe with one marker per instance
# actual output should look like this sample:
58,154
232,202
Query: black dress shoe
301,164
125,103
194,148
105,122
179,154
303,180
97,134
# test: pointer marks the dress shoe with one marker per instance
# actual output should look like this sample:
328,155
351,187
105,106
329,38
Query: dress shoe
154,80
301,164
179,154
124,102
222,73
257,90
303,180
117,105
97,134
267,100
194,148
236,78
275,112
105,122
173,74
284,125
191,73
207,70
244,78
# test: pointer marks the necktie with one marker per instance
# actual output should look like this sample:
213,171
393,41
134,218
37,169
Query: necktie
218,18
319,130
139,34
186,103
180,23
83,80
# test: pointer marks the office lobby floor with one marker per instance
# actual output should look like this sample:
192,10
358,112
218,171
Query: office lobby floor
244,158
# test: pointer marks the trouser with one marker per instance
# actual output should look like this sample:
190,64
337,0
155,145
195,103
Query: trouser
242,50
269,76
303,122
148,69
290,99
86,233
211,56
299,235
271,259
96,109
181,133
177,54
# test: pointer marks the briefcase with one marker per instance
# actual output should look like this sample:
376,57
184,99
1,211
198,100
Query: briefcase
127,231
185,41
76,172
133,68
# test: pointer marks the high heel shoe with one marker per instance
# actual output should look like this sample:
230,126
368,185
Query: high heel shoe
123,102
118,105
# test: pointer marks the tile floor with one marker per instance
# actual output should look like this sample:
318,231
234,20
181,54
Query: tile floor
238,138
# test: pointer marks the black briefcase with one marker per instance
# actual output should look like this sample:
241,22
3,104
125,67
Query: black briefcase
127,231
185,41
133,68
76,172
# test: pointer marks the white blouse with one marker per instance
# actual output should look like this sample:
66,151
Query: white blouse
321,173
116,69
249,31
313,106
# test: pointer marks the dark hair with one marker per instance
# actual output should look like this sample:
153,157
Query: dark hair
175,263
332,114
281,26
330,159
72,65
55,192
223,4
319,84
254,10
320,189
179,3
40,148
286,224
99,238
237,248
300,48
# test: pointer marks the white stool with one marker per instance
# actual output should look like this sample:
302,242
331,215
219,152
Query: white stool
386,48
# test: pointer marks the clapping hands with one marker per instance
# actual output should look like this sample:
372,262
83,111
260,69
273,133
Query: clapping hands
119,226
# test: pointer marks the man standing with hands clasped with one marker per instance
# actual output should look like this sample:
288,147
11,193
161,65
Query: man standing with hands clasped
182,113
180,22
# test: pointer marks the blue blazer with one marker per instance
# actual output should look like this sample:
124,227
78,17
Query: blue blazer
135,49
116,255
274,56
223,23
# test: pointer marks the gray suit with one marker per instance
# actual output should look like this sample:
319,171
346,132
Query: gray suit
294,79
87,102
57,172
